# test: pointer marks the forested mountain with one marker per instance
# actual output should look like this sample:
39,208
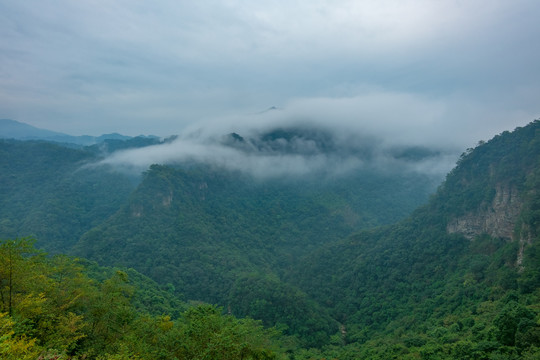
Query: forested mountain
342,266
224,237
57,193
460,278
216,212
47,192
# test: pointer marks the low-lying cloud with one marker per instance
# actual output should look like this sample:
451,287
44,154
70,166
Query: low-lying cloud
383,131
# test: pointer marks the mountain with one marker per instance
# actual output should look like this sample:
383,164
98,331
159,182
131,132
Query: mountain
213,234
11,129
348,265
460,278
312,141
49,191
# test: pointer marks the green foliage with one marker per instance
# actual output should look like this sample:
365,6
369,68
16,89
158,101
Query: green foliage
57,312
427,294
15,279
274,302
281,252
48,192
513,323
201,229
15,347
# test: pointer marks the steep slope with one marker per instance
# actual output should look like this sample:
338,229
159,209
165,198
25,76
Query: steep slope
47,192
459,279
269,222
210,232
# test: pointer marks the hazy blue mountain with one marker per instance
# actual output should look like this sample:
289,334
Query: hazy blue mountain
11,129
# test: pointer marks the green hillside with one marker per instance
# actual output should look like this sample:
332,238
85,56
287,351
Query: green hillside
459,278
426,288
201,230
58,308
47,192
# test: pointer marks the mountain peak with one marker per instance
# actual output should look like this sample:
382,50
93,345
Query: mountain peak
17,130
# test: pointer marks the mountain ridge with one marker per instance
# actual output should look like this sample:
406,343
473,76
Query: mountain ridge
12,129
458,277
392,279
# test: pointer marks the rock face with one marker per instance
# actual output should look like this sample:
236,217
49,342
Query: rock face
497,220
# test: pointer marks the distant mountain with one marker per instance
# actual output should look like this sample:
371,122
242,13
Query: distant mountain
18,130
313,141
11,129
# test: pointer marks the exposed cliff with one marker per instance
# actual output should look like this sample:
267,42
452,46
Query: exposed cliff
498,219
492,189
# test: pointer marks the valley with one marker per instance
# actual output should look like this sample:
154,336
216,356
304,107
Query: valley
344,262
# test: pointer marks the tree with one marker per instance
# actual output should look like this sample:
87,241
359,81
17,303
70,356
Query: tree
207,334
14,347
511,321
18,270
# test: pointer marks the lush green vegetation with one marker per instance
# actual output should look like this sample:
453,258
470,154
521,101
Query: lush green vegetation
437,297
47,192
193,226
281,252
50,308
411,290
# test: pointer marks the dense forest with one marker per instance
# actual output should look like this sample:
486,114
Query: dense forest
54,308
190,261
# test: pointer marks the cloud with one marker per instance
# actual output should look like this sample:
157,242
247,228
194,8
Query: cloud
312,136
183,151
134,67
451,123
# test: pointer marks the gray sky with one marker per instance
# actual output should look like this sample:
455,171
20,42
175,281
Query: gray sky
412,70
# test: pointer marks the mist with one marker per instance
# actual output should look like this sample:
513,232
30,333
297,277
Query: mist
316,136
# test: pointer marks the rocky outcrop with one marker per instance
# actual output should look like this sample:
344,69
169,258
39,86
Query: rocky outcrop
497,220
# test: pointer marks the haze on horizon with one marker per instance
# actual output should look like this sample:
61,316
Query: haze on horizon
416,71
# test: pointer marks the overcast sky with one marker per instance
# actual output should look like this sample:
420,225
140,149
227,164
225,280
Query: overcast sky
456,70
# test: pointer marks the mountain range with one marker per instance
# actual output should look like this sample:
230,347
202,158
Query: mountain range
11,129
373,262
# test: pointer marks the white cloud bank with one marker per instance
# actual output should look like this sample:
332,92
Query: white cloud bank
333,136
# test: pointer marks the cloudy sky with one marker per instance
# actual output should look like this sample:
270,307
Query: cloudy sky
448,70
